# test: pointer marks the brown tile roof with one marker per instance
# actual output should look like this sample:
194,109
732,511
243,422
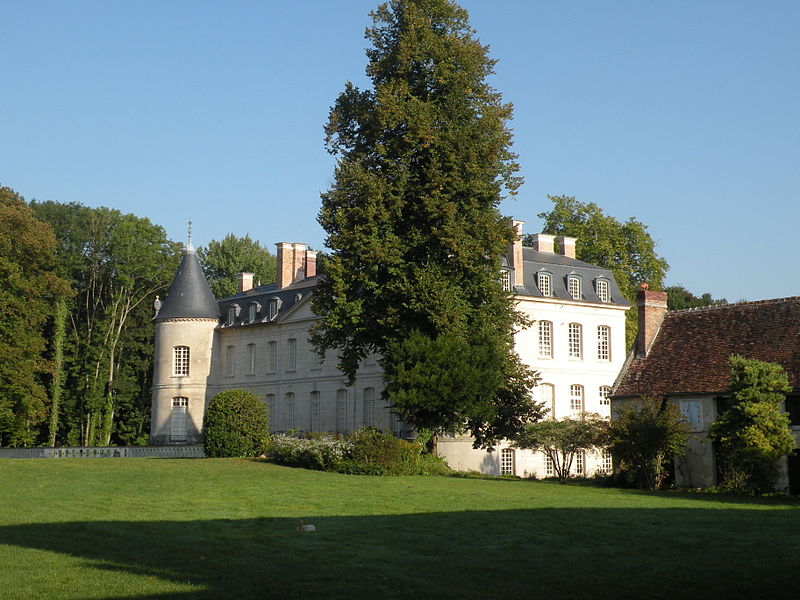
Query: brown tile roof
690,353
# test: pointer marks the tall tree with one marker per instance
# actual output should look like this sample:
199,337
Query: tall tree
221,262
754,432
29,288
626,249
413,224
678,297
117,263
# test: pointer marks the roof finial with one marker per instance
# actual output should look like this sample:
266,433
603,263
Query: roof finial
189,247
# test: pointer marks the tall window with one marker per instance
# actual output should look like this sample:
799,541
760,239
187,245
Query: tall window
507,461
574,287
547,395
545,284
316,411
604,393
579,463
601,286
505,280
178,424
606,464
341,411
231,315
180,361
545,339
549,468
369,407
576,398
272,356
251,359
603,342
230,361
290,422
291,352
251,313
273,309
575,341
271,411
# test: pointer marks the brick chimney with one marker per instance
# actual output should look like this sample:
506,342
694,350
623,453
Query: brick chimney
291,263
543,242
515,254
311,263
652,308
244,281
567,245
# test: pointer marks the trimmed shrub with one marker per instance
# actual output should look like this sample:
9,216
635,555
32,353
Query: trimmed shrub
236,424
375,452
322,453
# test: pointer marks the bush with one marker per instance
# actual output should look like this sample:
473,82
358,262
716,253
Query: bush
236,423
321,453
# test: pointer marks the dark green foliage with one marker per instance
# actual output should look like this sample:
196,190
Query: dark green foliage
678,298
221,262
626,249
236,424
374,452
29,290
644,435
562,440
413,225
753,433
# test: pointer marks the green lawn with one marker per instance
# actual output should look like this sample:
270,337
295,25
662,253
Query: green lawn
157,528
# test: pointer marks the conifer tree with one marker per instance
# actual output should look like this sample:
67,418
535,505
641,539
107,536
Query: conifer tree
414,230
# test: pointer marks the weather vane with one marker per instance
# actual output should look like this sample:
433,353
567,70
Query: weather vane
189,245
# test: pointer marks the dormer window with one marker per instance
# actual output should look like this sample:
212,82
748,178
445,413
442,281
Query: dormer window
544,282
505,280
251,312
274,305
601,287
231,315
574,287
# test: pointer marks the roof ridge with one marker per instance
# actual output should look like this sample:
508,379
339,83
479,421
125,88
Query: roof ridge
736,304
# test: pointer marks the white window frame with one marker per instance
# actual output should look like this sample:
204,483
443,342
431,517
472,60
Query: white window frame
606,462
544,281
180,361
604,391
549,467
576,398
273,309
575,340
601,287
580,463
507,466
547,394
574,287
505,280
603,343
545,346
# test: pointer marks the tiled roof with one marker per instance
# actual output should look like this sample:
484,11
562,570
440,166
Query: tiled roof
691,350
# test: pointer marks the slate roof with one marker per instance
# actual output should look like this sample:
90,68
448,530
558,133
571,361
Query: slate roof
189,296
560,267
287,297
690,352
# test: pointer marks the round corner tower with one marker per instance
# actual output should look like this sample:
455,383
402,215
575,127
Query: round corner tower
184,337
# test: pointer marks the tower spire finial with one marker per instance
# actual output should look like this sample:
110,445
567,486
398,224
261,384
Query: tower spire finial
189,247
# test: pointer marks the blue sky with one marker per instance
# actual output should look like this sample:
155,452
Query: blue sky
683,114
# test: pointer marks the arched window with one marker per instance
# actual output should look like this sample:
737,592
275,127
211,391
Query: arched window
547,395
180,361
544,282
601,287
604,393
545,339
575,340
574,287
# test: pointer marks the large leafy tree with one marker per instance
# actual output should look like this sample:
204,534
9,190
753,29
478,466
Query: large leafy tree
116,263
626,249
222,260
754,432
678,297
29,291
412,221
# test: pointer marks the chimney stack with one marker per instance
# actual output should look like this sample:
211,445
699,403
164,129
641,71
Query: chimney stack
567,245
543,242
311,263
652,308
245,281
515,256
291,263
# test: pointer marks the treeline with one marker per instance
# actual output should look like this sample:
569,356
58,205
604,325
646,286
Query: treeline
77,287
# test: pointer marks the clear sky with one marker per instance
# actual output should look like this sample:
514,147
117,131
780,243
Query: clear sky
683,114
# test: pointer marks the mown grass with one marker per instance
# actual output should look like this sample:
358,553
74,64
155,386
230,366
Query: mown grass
155,528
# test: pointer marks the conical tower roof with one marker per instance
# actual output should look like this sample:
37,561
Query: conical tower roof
189,296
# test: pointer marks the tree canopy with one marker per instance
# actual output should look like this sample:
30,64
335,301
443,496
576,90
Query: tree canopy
221,261
412,221
678,297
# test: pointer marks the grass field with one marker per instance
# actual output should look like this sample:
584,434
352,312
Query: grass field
156,528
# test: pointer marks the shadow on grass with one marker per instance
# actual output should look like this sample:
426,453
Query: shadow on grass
544,553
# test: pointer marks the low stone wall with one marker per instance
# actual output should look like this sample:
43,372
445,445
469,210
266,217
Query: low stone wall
105,452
